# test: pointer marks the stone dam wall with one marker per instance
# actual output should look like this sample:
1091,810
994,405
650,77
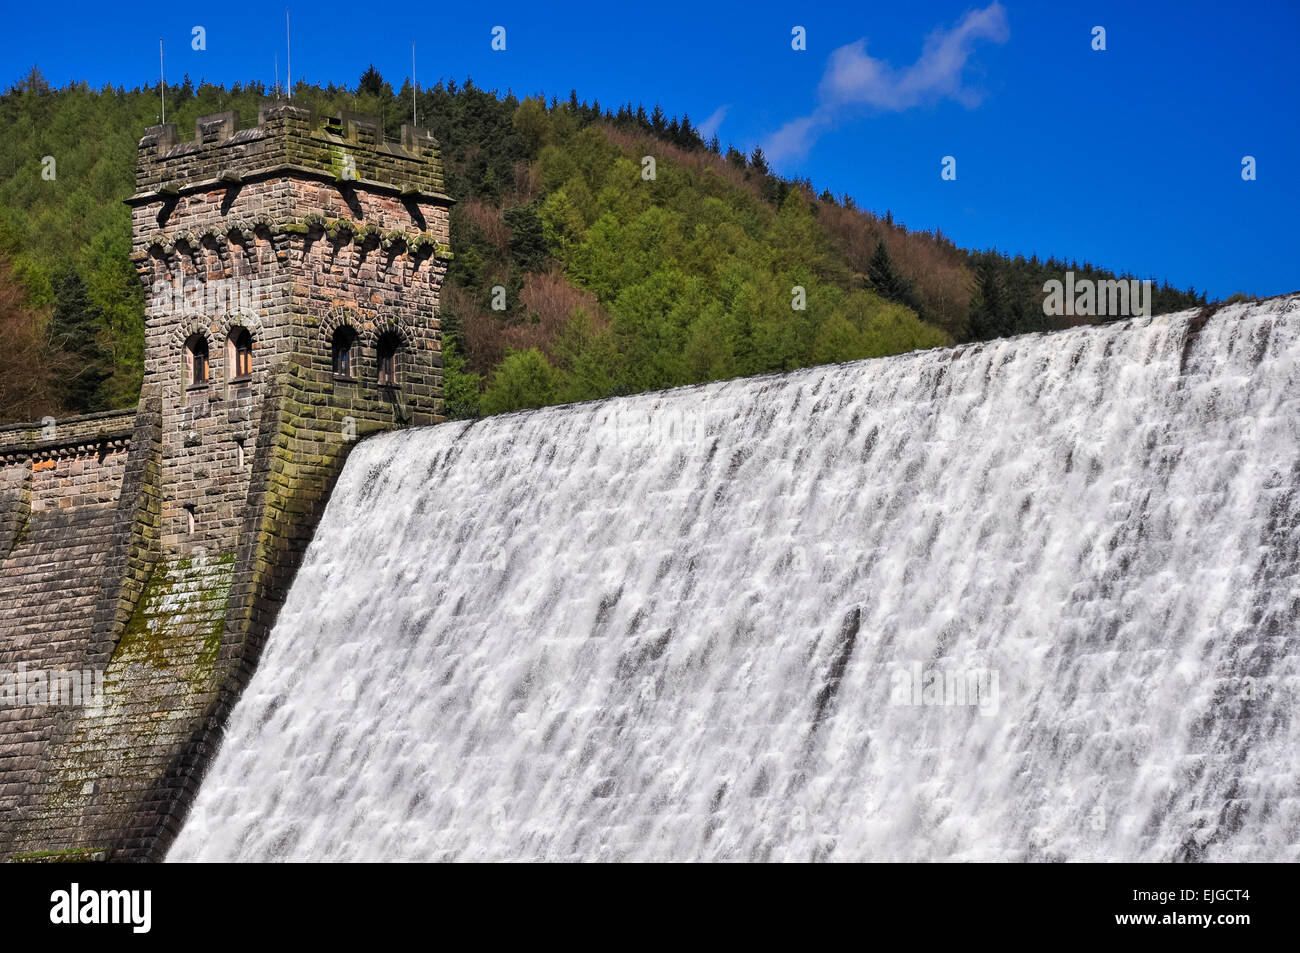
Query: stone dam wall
88,586
144,554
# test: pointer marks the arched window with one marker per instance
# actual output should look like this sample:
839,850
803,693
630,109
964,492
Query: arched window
388,350
196,361
343,351
239,354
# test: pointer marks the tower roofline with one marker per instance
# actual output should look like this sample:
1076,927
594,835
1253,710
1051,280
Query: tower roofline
289,140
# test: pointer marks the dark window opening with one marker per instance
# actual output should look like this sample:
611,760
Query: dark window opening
343,348
240,353
196,361
388,350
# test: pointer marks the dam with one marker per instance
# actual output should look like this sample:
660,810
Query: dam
1029,600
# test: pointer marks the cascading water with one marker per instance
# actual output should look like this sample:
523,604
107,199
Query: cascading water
1030,600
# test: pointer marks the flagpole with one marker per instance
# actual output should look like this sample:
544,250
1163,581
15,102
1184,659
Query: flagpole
288,55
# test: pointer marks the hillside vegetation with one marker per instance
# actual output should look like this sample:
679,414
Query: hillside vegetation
613,283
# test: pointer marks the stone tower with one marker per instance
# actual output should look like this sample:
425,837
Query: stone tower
283,263
292,273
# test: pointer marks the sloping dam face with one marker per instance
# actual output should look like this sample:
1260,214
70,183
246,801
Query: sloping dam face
1032,600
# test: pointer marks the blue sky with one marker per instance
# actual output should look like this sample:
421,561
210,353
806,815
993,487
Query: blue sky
1128,157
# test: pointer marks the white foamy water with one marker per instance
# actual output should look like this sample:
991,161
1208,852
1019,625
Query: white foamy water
703,623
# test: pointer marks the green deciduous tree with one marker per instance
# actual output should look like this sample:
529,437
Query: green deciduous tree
460,386
588,359
524,379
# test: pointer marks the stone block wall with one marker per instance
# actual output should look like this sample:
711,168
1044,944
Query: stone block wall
290,231
59,489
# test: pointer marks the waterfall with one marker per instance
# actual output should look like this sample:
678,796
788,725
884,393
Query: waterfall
1034,599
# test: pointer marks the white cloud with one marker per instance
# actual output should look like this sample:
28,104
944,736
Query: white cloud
710,126
853,78
794,137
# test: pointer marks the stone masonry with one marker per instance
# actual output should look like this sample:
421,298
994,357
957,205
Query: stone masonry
59,485
156,546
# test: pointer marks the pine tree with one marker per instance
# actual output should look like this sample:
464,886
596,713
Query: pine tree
990,313
371,82
527,237
79,373
758,161
887,283
689,137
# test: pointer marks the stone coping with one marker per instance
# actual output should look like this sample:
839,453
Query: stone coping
72,436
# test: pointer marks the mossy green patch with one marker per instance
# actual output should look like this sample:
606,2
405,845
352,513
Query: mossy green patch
178,622
20,535
70,855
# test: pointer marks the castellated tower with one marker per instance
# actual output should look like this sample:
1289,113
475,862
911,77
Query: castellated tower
296,263
292,274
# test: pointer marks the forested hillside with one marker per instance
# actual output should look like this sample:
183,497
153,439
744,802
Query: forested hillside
613,283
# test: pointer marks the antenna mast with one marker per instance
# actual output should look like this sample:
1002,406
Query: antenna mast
288,55
161,81
413,120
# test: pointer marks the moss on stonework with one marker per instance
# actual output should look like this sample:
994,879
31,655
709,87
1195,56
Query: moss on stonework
20,531
339,163
207,656
179,620
71,855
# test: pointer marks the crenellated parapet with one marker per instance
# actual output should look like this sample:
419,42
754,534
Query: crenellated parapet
289,140
294,174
